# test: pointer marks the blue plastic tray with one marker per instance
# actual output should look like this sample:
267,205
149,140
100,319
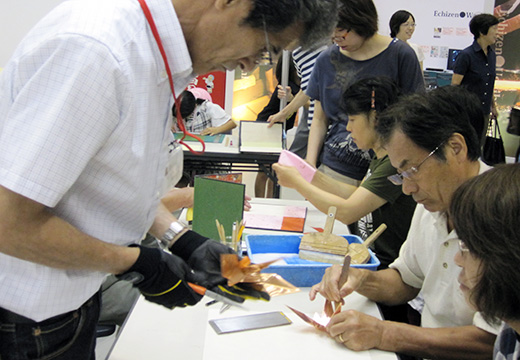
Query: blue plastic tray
298,272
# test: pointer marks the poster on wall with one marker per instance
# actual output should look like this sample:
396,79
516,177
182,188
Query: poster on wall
507,93
441,25
508,42
215,84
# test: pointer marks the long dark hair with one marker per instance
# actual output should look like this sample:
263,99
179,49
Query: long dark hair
486,213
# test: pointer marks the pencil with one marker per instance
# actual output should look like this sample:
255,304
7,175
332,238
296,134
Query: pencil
234,236
220,232
240,232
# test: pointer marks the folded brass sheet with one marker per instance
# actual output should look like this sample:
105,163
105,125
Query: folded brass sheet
242,271
319,321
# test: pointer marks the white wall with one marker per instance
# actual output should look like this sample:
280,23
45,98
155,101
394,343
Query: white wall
17,17
432,14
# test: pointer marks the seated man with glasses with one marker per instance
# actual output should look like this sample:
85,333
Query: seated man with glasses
433,146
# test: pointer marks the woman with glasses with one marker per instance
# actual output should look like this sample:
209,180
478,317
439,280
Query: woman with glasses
402,26
359,52
485,212
376,200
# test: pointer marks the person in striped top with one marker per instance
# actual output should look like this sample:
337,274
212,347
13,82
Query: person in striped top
304,62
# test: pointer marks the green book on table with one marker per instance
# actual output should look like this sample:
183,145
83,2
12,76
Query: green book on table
217,200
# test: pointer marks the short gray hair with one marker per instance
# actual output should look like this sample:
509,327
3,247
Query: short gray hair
318,17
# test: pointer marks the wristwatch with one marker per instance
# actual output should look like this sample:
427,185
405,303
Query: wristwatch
175,228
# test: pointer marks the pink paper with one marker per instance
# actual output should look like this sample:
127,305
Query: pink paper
295,211
286,218
261,221
291,159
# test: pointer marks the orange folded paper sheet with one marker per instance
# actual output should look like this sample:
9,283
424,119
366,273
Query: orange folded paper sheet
242,271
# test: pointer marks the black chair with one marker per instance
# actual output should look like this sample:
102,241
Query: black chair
103,330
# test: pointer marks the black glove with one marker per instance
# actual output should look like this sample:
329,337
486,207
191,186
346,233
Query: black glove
203,256
160,277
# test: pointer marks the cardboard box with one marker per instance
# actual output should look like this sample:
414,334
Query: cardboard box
298,272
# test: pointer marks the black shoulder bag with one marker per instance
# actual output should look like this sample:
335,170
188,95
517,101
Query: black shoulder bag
493,151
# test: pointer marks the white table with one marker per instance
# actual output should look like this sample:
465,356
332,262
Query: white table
154,332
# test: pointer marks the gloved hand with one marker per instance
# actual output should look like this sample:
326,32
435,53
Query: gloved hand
241,292
203,256
160,277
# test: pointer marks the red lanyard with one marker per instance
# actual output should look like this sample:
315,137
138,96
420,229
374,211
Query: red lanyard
180,122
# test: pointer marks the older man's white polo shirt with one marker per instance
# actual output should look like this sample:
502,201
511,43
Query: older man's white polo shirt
84,128
426,261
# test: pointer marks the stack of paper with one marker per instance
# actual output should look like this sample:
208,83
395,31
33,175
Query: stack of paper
255,136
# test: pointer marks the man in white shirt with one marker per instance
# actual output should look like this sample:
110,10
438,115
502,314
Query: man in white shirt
431,143
85,122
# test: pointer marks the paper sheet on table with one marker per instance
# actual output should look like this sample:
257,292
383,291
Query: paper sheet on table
295,341
283,218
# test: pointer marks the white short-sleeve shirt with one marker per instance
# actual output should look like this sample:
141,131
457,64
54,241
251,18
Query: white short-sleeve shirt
85,123
426,261
206,115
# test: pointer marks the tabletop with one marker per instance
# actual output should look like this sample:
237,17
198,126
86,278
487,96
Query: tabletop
154,332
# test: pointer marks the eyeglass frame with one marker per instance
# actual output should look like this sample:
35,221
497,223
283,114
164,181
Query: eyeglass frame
463,248
408,25
266,55
342,37
398,179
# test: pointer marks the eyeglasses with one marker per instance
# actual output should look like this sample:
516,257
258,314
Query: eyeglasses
340,37
463,247
409,25
265,58
397,179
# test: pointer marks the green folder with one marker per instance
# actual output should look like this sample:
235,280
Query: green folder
217,200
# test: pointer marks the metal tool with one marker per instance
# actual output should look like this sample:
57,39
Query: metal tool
344,271
223,308
213,295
